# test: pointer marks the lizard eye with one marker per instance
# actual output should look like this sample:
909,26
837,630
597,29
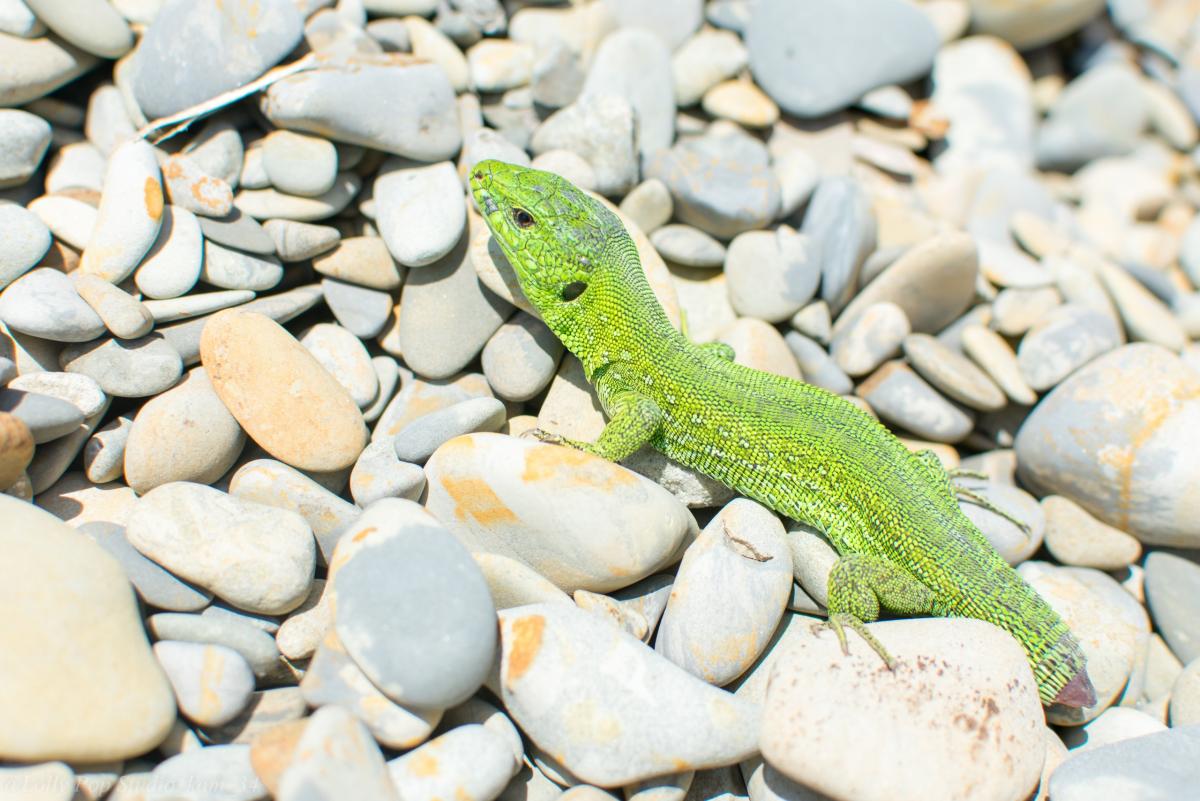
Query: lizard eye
522,218
573,290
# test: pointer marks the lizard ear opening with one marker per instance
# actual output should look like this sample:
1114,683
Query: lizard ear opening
573,290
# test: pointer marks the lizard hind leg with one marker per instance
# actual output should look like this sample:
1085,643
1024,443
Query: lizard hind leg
860,585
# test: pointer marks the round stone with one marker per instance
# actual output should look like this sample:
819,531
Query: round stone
26,137
412,608
315,425
814,59
212,683
26,240
421,210
130,213
256,557
521,357
172,265
601,128
299,164
362,260
417,441
1126,419
184,434
874,337
490,490
497,65
61,593
126,368
691,247
44,303
742,102
346,359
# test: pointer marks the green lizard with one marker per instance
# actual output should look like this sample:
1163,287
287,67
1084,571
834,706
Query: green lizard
810,455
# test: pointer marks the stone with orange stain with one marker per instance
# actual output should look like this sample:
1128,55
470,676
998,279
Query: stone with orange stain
335,757
957,719
731,590
467,763
188,186
1119,438
16,449
579,520
212,683
607,707
411,607
333,678
284,399
130,214
272,751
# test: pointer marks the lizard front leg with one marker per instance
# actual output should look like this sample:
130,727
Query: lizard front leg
633,419
859,584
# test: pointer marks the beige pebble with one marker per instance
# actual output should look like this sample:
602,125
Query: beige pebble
282,396
362,260
1074,537
742,102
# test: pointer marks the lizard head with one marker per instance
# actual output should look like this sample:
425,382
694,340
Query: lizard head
552,232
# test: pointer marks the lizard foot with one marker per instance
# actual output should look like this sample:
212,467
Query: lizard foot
541,435
838,621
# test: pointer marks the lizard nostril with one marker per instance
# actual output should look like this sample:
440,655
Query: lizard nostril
478,175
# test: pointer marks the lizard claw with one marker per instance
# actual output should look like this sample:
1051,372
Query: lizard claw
541,435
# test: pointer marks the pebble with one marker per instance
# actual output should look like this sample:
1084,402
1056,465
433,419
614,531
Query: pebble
346,358
75,501
251,642
720,195
68,219
230,47
45,304
172,265
80,391
650,207
47,418
1074,537
691,247
362,260
298,241
393,575
872,338
900,396
568,165
360,310
26,241
728,595
520,359
557,76
301,632
238,231
1068,337
50,781
1012,543
153,584
62,589
315,426
841,227
38,67
824,709
419,397
989,350
1185,697
771,275
235,269
421,210
952,373
273,483
742,102
497,65
379,473
1113,726
600,128
1100,113
123,315
636,65
189,187
212,683
1092,430
597,546
257,557
16,448
336,757
1146,318
703,61
339,100
552,651
387,373
184,434
299,164
446,316
196,305
1159,765
813,61
126,368
17,19
268,203
1171,583
817,366
26,139
223,772
1015,310
130,213
417,441
471,759
333,679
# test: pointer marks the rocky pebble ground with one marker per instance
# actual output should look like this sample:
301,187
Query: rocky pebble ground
270,528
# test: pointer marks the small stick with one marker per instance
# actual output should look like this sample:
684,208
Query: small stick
180,121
